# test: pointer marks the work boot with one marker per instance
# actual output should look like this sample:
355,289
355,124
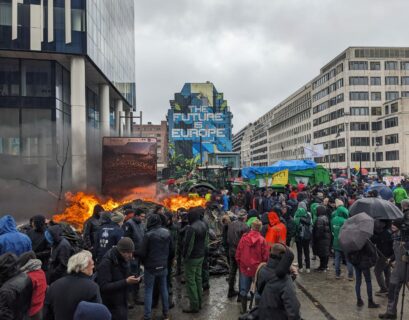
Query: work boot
359,303
232,293
388,316
243,308
372,304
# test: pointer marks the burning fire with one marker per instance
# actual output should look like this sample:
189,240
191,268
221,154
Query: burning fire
175,202
81,206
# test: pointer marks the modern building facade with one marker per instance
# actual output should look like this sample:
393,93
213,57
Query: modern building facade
67,79
199,121
245,148
160,132
344,108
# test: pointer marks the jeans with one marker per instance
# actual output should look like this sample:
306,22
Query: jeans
303,245
232,272
244,284
149,278
338,259
382,273
358,281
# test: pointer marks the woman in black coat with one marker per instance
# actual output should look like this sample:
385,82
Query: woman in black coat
322,238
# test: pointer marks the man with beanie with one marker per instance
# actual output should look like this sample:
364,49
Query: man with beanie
194,247
114,278
251,251
234,233
109,233
156,249
275,286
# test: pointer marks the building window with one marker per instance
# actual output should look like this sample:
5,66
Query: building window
376,96
391,81
375,81
358,81
376,65
359,126
378,140
358,65
386,109
394,107
359,111
358,96
405,94
376,126
376,111
392,155
405,81
392,138
391,95
36,76
404,65
392,122
379,156
360,141
391,65
360,156
9,77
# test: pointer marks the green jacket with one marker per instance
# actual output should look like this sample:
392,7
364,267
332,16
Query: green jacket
313,208
341,210
301,212
338,220
399,194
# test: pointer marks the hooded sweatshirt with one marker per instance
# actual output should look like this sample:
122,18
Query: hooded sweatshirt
276,230
38,279
251,251
338,219
10,239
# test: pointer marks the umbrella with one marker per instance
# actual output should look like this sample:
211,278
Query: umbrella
355,232
384,191
376,208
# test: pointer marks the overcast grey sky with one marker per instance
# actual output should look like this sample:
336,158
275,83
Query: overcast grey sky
257,52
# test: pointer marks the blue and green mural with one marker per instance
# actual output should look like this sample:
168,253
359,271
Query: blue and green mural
199,121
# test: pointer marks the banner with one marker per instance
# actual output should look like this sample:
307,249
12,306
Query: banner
314,151
280,178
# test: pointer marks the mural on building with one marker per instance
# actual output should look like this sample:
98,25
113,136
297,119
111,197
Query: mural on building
199,121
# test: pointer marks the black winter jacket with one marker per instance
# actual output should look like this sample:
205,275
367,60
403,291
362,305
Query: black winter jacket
135,230
109,234
278,298
321,233
61,251
196,237
40,246
90,234
157,246
112,273
364,258
64,295
16,289
235,231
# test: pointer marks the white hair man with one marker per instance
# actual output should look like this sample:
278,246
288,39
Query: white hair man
64,295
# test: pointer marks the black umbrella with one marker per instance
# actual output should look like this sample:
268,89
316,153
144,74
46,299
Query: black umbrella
376,208
355,232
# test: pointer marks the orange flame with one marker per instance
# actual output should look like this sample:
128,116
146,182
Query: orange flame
81,206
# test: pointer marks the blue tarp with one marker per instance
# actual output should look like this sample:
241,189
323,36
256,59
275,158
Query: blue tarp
291,165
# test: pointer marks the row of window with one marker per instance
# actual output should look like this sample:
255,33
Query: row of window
376,81
326,91
375,96
328,117
338,69
328,131
376,65
329,103
359,156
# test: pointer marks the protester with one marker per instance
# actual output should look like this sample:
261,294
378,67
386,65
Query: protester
156,249
363,260
251,251
399,194
303,222
29,264
322,238
91,311
61,251
91,227
11,240
195,244
64,295
234,233
15,289
40,245
114,278
109,233
275,286
274,231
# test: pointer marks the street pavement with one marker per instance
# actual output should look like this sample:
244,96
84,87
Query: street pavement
321,296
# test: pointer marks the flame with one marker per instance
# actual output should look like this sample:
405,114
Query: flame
175,202
81,205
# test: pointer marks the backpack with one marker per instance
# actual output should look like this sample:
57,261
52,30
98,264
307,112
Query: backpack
305,229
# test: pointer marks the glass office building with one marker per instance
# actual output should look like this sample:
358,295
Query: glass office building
67,78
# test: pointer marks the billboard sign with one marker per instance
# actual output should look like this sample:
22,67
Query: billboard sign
128,164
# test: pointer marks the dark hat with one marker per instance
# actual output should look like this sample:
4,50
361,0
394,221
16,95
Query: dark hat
125,245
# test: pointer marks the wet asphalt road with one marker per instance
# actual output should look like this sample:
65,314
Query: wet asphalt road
324,298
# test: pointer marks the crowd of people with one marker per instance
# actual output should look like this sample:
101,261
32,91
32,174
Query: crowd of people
103,267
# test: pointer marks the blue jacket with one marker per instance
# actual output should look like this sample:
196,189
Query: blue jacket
10,239
226,200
